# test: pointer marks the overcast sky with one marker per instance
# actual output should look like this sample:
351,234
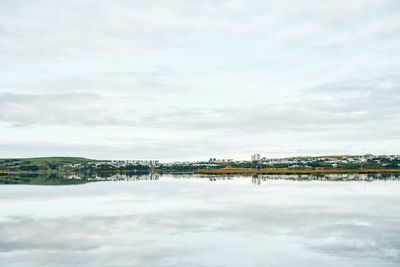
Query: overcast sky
191,80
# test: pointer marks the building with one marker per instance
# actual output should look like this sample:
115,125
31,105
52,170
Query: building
256,157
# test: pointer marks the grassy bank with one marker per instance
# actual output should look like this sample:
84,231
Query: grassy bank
3,173
254,171
39,164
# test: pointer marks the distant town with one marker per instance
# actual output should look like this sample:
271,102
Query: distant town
258,162
255,162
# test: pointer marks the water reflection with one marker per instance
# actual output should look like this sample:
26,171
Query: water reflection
65,178
259,179
199,220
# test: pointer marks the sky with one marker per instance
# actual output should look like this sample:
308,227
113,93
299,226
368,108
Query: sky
189,80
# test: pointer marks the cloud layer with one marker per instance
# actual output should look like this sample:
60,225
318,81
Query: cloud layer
269,76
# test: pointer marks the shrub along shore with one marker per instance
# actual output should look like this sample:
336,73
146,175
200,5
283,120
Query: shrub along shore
254,171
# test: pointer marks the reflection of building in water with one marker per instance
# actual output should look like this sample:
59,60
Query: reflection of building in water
74,176
128,177
217,178
256,179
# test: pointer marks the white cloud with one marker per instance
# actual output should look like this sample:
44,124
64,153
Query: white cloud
204,68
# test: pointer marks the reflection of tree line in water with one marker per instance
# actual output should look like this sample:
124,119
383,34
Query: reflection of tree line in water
39,179
65,178
257,179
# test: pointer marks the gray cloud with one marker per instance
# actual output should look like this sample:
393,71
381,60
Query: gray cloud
323,107
273,73
370,100
28,109
80,27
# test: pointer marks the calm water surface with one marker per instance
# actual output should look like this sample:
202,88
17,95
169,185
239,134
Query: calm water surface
183,220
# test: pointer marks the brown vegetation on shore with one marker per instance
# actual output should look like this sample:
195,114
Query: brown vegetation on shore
3,173
254,171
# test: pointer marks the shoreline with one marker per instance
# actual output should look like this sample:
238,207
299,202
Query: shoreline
253,171
226,171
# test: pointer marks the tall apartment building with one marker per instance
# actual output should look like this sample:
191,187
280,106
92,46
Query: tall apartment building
255,157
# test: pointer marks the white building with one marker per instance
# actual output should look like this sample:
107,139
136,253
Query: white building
255,157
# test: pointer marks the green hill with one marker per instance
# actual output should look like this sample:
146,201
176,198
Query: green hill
37,164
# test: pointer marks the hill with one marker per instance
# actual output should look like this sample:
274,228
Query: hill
37,164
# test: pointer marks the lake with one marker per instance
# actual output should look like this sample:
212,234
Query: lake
199,220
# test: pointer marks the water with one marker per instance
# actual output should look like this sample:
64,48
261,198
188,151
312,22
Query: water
199,220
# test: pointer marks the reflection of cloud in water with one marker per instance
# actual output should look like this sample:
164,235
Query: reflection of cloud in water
181,223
